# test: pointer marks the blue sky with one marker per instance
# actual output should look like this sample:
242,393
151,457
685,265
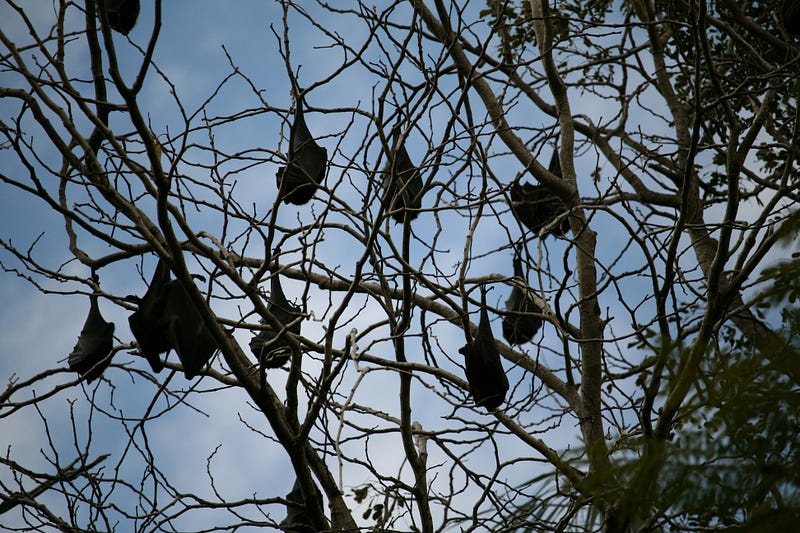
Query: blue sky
37,331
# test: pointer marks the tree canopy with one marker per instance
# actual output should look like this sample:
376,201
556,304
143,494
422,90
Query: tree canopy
504,265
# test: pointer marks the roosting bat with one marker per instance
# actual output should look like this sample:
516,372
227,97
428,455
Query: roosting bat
403,184
485,374
300,178
519,326
790,16
297,519
185,330
535,206
90,358
285,313
167,319
122,14
146,322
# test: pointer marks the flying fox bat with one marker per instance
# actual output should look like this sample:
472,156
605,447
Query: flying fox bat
297,519
485,374
146,322
167,319
90,358
403,184
122,14
790,16
535,206
269,339
185,330
300,178
519,326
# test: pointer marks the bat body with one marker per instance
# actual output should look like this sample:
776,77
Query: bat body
89,357
297,520
279,351
403,185
122,14
536,207
790,16
484,369
167,319
300,178
145,323
519,326
185,330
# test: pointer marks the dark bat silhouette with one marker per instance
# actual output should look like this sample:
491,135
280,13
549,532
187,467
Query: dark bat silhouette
297,519
300,178
167,319
185,330
519,326
90,358
535,206
790,16
122,14
146,322
403,184
485,374
279,351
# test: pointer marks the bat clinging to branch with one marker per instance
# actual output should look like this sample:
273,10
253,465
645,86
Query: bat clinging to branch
519,325
403,184
90,358
270,346
484,369
305,169
122,14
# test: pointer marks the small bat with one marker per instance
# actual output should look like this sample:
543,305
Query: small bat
484,369
122,14
145,323
90,358
300,178
403,184
297,519
268,339
535,206
185,330
519,326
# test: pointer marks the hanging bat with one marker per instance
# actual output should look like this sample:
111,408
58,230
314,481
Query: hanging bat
268,339
146,322
90,358
300,178
484,370
403,184
519,325
297,519
535,206
185,330
790,16
122,14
